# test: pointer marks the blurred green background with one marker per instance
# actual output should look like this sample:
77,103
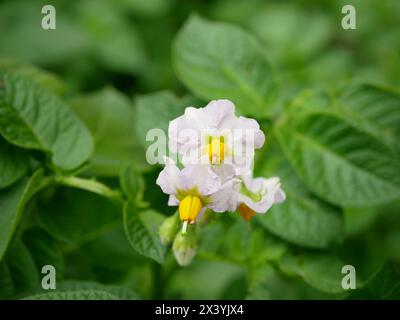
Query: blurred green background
111,60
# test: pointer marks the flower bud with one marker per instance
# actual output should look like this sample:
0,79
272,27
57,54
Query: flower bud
169,228
185,246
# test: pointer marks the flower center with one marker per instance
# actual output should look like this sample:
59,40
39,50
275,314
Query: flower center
189,209
246,212
216,150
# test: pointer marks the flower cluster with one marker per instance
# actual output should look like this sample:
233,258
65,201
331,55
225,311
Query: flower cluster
216,150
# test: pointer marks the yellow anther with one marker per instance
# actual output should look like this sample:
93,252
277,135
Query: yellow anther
246,212
216,150
189,208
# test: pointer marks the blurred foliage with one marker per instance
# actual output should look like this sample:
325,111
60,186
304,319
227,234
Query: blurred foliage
80,99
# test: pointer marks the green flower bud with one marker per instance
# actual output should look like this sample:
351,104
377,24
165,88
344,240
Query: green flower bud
169,228
185,246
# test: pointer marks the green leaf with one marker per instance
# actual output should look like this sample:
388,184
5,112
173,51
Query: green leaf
110,116
21,23
358,220
114,247
74,295
120,292
7,288
233,247
75,216
132,183
235,11
149,8
304,221
319,270
342,162
218,60
301,219
32,117
22,267
156,110
199,280
12,201
277,25
384,284
13,164
267,283
376,109
240,244
44,249
44,78
115,40
141,228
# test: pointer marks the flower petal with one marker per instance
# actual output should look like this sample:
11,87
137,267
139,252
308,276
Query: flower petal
220,112
226,199
173,201
168,179
251,134
269,189
200,177
182,136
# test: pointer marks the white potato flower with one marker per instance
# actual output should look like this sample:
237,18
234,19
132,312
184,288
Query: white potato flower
215,135
258,195
197,187
216,149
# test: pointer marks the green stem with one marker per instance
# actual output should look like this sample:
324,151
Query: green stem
90,185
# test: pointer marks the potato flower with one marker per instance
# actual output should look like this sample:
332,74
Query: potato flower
215,135
216,149
257,195
197,187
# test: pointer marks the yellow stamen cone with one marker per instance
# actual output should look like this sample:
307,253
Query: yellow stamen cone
216,150
189,209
